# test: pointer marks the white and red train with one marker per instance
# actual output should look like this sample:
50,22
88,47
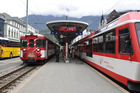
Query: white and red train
115,49
36,48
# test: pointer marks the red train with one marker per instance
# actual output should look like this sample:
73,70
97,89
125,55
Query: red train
36,48
115,49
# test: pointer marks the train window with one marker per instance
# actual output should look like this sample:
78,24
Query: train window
15,44
0,42
23,43
31,43
105,43
137,26
110,38
124,41
40,43
11,43
98,43
95,44
100,39
4,43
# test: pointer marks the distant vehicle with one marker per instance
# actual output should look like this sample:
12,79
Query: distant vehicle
36,48
115,49
9,48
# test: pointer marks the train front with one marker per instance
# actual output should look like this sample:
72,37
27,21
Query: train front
32,49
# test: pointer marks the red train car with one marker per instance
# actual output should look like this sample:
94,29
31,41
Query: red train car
36,48
115,49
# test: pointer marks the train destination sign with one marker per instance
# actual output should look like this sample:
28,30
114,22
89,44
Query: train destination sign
67,28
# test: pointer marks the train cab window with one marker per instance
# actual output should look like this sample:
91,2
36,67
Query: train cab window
23,43
125,46
40,43
31,43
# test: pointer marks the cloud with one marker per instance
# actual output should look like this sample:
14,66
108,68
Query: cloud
74,8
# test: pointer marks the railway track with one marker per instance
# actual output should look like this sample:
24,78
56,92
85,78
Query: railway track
7,80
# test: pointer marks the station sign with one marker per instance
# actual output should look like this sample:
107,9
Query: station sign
67,28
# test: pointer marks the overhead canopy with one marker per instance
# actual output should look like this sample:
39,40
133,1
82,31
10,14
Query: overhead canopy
66,30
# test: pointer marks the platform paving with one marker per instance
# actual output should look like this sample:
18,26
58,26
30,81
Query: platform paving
73,77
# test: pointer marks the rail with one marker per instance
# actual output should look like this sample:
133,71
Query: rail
10,78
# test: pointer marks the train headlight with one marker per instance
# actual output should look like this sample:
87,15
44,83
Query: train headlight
38,50
24,49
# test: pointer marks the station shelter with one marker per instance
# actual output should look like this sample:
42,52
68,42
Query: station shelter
65,31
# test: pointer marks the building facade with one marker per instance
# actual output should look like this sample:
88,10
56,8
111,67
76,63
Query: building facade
13,27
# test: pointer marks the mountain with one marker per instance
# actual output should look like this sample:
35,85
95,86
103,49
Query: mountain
39,21
93,21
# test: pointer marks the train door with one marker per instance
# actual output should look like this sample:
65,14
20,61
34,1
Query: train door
31,46
89,48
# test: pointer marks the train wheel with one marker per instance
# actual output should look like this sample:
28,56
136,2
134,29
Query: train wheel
11,55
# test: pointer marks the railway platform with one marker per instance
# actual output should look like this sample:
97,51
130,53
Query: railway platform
61,77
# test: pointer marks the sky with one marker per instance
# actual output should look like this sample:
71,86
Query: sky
72,8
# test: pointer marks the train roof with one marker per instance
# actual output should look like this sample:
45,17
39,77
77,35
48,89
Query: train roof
125,18
3,38
85,38
114,14
33,34
37,35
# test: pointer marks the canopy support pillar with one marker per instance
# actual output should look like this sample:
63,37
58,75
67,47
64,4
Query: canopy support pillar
67,59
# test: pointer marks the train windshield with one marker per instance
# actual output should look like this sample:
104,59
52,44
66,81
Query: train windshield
40,43
137,26
31,43
23,43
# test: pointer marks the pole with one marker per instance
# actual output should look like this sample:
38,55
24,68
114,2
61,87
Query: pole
66,50
67,60
27,17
